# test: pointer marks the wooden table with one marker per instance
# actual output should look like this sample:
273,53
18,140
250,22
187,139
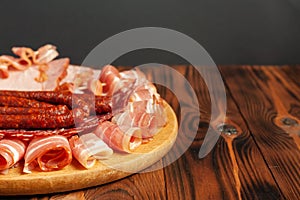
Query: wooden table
256,157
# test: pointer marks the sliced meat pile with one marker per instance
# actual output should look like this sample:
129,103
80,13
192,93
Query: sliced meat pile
51,111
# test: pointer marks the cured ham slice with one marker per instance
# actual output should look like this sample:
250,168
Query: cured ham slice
25,53
33,70
111,77
15,63
45,54
28,57
83,78
25,80
118,140
87,148
135,101
48,153
144,115
11,151
57,70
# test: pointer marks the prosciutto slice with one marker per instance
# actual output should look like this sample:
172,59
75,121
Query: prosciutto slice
48,154
11,151
45,54
135,101
145,115
26,80
118,140
33,70
87,148
111,77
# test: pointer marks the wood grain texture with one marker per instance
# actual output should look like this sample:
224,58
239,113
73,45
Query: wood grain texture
253,90
230,171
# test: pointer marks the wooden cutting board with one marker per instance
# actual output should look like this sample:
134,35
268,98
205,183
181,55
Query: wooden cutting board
75,177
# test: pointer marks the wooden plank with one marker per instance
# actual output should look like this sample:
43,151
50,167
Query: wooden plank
253,90
292,72
234,169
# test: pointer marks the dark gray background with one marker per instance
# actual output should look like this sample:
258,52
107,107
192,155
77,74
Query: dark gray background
232,31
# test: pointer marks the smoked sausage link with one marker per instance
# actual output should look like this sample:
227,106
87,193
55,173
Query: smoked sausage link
36,121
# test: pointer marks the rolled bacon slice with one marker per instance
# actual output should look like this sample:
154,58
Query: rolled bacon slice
87,148
45,54
48,153
135,101
140,117
110,76
118,140
16,63
11,151
26,55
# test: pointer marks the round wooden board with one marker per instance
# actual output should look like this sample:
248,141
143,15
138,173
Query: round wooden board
75,177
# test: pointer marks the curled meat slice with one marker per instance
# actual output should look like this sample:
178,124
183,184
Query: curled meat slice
45,54
110,76
48,153
3,71
118,140
16,63
87,148
148,118
24,53
136,103
11,151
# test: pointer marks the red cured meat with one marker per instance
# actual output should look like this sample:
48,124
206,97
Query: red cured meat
11,151
48,154
118,140
87,148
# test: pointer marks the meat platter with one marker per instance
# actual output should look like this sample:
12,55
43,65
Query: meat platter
50,144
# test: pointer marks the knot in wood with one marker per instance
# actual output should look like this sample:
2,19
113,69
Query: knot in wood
227,129
289,121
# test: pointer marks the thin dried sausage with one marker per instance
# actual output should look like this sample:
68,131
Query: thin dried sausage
53,110
87,125
22,102
36,121
86,102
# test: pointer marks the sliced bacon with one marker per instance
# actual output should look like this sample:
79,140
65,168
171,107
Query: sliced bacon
87,148
110,76
83,78
136,103
11,151
118,140
45,54
37,68
3,71
26,54
48,153
134,74
14,63
148,122
23,52
25,80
